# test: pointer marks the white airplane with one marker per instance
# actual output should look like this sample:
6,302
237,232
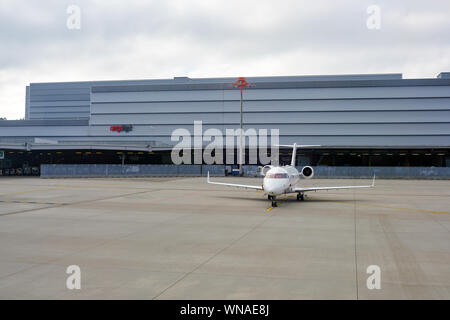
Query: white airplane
282,180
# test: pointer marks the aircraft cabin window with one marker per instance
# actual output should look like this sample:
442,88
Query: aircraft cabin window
277,176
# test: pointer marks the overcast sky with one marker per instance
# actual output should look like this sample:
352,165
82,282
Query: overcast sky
162,39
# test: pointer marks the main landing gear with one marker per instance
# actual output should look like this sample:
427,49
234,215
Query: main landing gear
300,197
274,202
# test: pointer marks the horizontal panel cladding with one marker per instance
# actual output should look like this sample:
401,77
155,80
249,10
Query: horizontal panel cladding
226,84
325,141
341,105
373,141
157,107
41,131
61,85
89,84
197,95
342,93
360,113
60,104
60,100
278,106
274,117
271,94
61,97
342,117
59,115
62,109
45,92
154,118
43,123
291,129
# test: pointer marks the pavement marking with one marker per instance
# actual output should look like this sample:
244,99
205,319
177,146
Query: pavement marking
29,202
278,202
69,204
30,191
407,209
226,247
387,207
114,184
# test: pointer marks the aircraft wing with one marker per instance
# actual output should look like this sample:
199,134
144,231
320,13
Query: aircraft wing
301,189
235,185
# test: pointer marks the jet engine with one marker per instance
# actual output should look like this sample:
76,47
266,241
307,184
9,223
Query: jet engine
307,172
264,170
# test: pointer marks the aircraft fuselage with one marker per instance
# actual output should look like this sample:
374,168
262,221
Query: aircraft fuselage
280,180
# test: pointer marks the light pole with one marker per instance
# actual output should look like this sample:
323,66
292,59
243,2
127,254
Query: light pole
241,83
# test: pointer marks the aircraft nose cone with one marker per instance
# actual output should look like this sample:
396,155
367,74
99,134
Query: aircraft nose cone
270,189
274,188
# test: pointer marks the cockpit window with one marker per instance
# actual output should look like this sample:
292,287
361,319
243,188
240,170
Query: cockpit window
277,175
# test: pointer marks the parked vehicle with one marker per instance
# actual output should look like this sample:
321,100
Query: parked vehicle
35,171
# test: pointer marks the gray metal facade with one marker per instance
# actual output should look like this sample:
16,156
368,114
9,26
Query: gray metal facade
335,111
114,170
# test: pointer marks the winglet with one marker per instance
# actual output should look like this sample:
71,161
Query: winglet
207,179
373,181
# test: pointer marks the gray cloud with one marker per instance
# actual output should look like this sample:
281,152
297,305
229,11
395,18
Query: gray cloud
198,38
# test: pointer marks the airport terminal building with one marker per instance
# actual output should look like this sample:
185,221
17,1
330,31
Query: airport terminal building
359,120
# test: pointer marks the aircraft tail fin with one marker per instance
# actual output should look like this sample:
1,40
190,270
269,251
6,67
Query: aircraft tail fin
294,155
294,150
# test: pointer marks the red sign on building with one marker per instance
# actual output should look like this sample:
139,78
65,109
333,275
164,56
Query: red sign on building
125,128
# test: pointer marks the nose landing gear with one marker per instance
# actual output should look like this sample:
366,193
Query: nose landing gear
274,202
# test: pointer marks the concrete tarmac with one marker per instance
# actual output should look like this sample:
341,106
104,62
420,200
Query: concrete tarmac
179,238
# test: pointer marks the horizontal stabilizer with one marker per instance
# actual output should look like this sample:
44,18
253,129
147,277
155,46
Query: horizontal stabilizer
294,149
298,145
